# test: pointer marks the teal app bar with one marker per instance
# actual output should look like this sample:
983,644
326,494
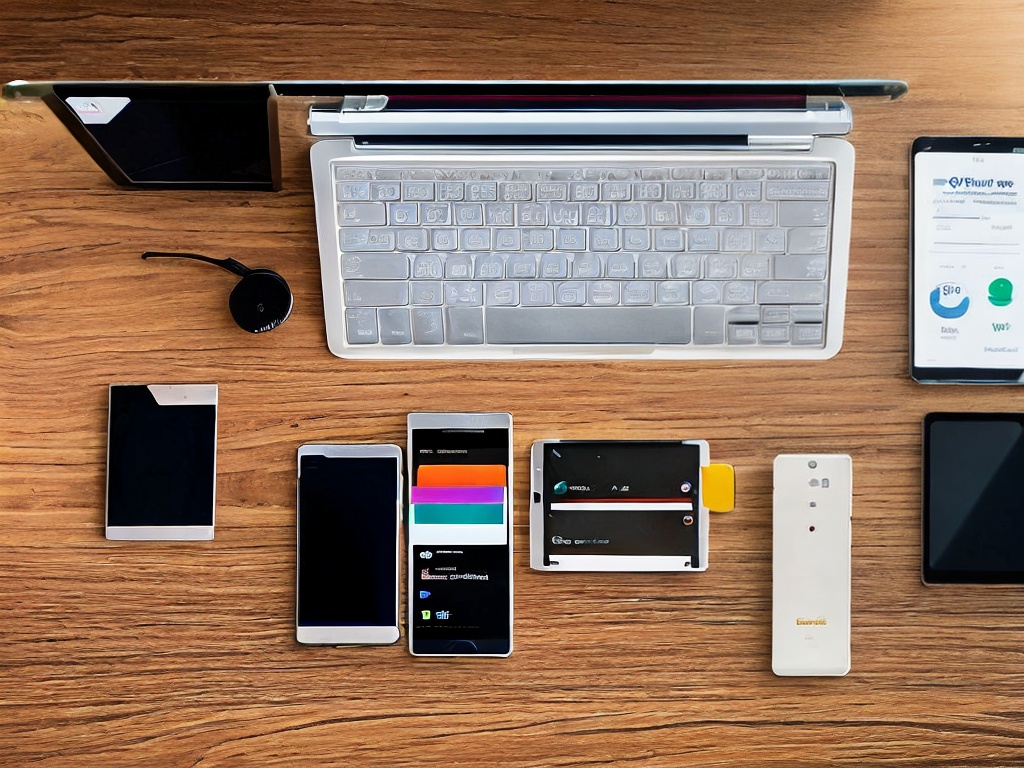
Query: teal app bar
458,514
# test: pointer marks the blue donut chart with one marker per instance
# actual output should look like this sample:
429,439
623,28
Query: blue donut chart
948,313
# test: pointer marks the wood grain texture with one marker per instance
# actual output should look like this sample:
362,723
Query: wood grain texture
115,654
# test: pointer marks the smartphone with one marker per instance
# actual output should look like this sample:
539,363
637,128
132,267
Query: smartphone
459,534
812,505
967,267
347,541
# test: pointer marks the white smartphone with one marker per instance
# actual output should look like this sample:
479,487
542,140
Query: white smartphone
347,543
966,265
460,534
812,505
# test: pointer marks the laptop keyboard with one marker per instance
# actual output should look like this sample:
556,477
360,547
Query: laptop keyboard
726,258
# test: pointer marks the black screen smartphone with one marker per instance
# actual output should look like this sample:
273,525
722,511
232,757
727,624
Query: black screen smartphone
973,510
347,542
460,545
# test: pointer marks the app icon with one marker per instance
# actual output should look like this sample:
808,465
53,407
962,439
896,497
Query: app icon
949,301
424,594
425,615
560,487
1000,292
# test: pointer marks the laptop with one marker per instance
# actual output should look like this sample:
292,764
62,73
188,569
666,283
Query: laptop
683,220
546,220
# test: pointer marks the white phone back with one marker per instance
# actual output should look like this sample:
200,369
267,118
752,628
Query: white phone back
812,507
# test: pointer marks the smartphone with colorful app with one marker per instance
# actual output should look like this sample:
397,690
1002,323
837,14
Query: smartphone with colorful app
460,534
347,542
966,261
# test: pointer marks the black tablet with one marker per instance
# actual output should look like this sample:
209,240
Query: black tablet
967,265
161,461
973,515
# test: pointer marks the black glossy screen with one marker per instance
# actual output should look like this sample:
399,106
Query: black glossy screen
973,505
161,461
347,547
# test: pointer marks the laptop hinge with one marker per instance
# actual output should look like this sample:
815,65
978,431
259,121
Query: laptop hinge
368,116
790,143
363,103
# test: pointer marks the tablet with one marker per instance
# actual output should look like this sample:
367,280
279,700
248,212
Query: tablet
973,513
161,461
967,260
618,505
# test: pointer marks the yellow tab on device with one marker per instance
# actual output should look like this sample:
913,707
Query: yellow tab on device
719,487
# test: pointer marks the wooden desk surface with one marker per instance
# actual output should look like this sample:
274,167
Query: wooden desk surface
143,654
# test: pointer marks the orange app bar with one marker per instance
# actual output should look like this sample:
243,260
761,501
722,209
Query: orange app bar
456,475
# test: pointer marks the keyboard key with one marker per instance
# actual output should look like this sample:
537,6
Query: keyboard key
603,293
604,240
803,214
554,266
673,292
361,214
427,327
588,325
571,239
367,239
394,326
361,326
652,266
742,334
403,213
490,266
375,266
463,293
458,266
791,292
811,267
808,333
501,294
468,214
427,266
537,293
483,191
538,239
465,325
449,190
638,292
620,265
571,293
797,190
412,240
709,325
385,190
775,334
428,292
376,293
417,190
586,265
808,240
521,266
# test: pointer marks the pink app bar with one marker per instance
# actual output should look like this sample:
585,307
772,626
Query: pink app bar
475,494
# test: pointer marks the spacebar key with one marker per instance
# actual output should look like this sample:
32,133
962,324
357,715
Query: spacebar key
588,325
